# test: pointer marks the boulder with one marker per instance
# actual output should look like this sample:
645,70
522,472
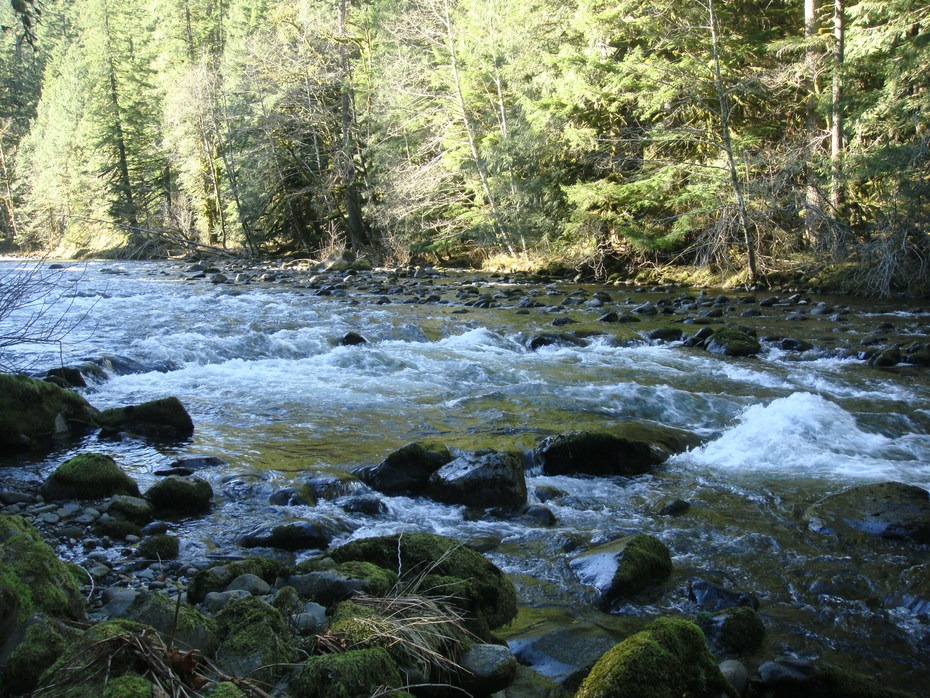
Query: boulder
88,476
485,595
887,510
623,568
131,508
159,547
219,577
481,479
298,535
790,677
713,597
176,495
629,449
37,645
668,658
163,419
188,626
488,669
331,583
407,470
351,674
254,640
738,629
34,579
35,414
733,341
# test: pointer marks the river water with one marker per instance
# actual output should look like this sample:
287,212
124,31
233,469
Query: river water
274,395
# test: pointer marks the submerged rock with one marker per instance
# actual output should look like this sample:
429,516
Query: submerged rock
668,658
35,414
299,535
481,479
623,568
88,476
733,341
790,677
887,510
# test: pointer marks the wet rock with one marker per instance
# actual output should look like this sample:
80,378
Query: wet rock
180,496
790,677
623,568
163,419
159,547
791,344
631,449
300,535
35,414
668,658
363,504
407,470
131,508
887,510
216,601
481,479
88,476
554,340
352,339
66,377
713,597
673,507
738,629
331,487
665,334
539,516
733,341
886,358
490,668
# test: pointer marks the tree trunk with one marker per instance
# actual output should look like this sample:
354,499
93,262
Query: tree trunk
724,115
837,144
814,203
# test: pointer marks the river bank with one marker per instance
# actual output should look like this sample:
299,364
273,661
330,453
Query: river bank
502,362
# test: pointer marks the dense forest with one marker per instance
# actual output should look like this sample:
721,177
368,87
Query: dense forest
737,136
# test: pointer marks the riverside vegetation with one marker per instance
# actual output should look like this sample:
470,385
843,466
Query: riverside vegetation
410,613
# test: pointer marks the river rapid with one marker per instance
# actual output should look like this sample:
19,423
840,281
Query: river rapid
258,364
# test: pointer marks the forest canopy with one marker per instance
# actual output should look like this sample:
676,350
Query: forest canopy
733,135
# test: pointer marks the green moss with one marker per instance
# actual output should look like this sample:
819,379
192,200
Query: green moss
668,659
378,581
219,577
159,547
117,529
645,562
187,625
742,630
225,689
181,495
34,413
254,637
353,674
129,686
489,596
38,580
40,647
733,341
88,476
160,418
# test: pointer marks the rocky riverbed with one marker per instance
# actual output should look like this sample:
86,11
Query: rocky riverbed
520,484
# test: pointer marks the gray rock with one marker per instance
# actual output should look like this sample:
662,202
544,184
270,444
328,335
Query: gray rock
734,672
300,535
481,479
327,586
491,668
255,585
216,601
117,600
310,619
406,470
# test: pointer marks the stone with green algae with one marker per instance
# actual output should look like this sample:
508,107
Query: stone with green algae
35,414
352,674
88,476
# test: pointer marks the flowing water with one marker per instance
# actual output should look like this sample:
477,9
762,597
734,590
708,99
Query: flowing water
274,395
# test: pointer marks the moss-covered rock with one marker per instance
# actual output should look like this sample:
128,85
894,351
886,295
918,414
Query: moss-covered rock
788,677
225,689
31,572
135,509
624,567
159,547
486,595
219,577
353,674
740,629
254,639
733,341
117,529
35,414
165,419
129,686
40,643
176,495
330,583
188,626
668,659
88,476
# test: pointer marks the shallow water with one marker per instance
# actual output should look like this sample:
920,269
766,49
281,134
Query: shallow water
272,393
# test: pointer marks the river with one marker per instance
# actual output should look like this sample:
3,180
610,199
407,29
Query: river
274,394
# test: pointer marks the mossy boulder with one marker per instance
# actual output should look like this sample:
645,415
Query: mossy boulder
738,629
218,577
407,470
130,686
353,674
668,659
35,414
163,419
177,495
485,594
135,509
117,529
628,449
39,643
885,509
88,476
183,622
329,583
733,341
161,546
34,576
623,568
225,689
254,639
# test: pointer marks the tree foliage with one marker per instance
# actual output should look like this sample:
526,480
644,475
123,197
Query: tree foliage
608,133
